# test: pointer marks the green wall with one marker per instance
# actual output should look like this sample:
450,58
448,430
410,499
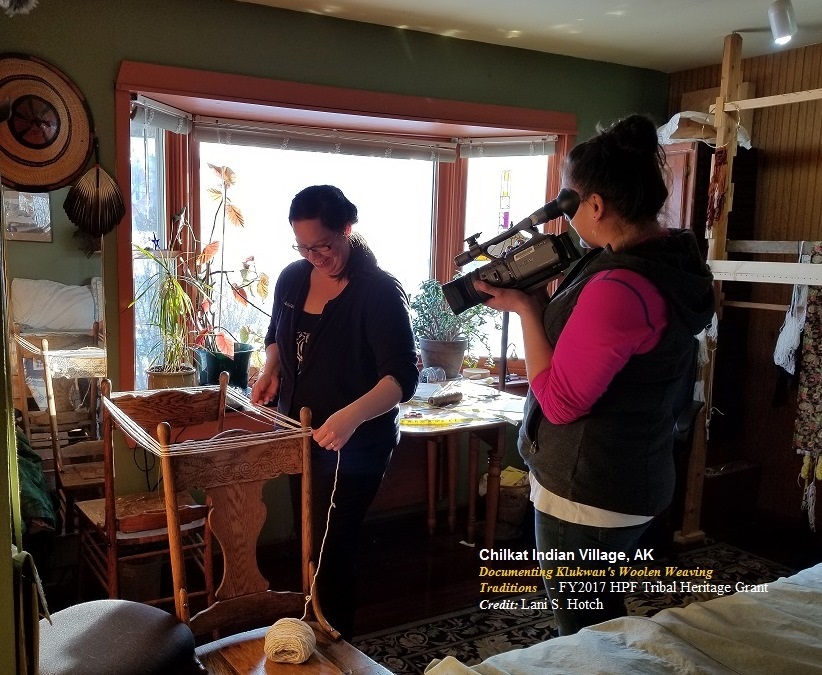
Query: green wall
88,39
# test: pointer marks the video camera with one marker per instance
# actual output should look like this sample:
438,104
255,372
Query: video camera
526,267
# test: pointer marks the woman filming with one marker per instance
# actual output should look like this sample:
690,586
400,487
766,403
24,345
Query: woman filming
340,343
606,358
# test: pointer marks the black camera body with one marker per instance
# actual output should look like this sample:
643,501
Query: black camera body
527,267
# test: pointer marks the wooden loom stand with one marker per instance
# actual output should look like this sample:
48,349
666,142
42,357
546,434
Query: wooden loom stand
726,136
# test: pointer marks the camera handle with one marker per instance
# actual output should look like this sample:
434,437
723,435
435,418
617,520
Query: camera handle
475,250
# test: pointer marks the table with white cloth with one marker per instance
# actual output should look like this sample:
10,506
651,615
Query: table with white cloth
485,414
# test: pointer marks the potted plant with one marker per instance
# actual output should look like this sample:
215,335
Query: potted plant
444,337
171,312
216,348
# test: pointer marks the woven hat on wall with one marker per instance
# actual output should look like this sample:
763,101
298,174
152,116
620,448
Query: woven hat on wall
47,141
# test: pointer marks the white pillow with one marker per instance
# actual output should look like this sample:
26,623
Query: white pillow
45,304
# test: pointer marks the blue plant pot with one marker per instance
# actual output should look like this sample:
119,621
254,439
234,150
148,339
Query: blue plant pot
210,365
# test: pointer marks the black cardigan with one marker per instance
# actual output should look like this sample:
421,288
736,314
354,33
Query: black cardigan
363,335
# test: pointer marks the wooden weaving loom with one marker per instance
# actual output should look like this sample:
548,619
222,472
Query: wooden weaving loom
726,111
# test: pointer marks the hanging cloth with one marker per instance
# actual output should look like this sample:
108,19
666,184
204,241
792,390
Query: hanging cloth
790,333
807,437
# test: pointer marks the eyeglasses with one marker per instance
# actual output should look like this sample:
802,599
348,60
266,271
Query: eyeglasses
320,248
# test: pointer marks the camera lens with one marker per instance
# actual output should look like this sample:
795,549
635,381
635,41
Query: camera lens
461,294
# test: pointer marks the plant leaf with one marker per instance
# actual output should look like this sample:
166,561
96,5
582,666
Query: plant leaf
240,295
234,215
215,194
262,286
201,338
228,176
224,343
208,253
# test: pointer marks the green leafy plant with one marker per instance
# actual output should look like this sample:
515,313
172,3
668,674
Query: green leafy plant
170,310
433,319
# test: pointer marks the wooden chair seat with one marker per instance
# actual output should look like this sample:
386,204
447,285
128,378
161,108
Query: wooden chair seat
82,477
141,517
68,419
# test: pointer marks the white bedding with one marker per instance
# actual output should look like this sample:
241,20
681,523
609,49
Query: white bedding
43,304
774,632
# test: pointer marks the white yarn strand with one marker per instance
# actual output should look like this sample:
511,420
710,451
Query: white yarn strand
230,440
292,640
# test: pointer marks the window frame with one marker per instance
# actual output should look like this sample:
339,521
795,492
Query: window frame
201,88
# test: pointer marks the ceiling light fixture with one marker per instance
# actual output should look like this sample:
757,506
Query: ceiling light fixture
782,20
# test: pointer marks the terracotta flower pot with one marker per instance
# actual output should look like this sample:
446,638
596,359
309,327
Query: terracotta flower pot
447,354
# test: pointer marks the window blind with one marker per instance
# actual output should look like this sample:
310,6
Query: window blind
287,137
509,146
148,113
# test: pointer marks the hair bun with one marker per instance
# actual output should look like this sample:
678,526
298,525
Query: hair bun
634,133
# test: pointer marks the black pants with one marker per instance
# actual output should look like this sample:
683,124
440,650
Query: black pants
592,599
357,485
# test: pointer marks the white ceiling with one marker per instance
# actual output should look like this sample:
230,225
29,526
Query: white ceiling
664,35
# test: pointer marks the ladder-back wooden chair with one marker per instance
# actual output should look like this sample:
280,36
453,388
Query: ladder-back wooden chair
118,530
71,429
232,470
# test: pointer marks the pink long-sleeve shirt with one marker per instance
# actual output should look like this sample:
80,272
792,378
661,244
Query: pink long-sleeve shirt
619,313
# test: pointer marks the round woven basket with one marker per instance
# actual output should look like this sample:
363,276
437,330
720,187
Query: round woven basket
47,141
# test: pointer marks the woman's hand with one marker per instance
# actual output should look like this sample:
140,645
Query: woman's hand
339,427
506,299
336,430
265,389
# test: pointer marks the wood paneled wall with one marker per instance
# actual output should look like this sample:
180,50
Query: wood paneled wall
789,142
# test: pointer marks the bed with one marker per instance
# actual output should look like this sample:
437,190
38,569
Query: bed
776,630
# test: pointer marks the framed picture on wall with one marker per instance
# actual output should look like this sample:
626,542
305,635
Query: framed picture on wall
27,215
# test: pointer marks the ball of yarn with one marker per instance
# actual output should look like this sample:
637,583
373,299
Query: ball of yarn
289,641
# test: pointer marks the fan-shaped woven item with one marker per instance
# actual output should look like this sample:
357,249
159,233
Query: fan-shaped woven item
95,203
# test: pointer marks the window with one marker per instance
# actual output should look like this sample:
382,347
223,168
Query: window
148,231
501,192
386,223
393,198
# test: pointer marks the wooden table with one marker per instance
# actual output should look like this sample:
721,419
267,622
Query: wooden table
484,414
243,654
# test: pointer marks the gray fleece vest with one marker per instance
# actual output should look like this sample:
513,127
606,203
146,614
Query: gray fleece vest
619,456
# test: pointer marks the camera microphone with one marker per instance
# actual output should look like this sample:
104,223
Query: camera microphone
565,204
